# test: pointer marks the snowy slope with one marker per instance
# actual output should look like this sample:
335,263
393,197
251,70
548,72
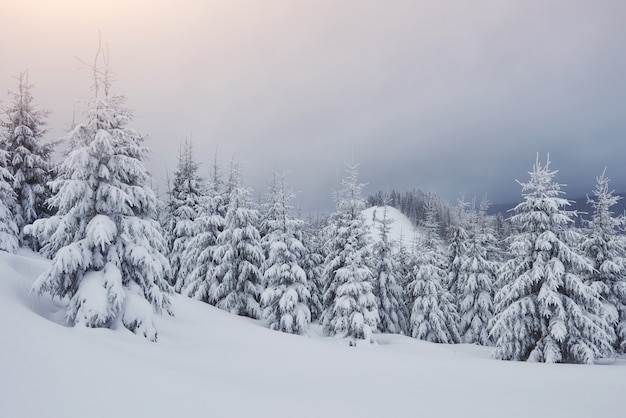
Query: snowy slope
401,229
209,363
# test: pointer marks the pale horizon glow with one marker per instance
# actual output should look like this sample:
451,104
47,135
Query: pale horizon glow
450,96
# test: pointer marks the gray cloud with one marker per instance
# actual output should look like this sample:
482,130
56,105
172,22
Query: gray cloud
448,96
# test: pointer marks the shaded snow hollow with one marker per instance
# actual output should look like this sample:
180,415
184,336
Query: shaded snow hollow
209,363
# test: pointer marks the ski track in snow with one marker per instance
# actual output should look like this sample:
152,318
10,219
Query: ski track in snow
211,363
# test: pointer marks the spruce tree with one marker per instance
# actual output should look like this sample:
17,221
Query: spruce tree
604,245
476,278
107,249
184,206
29,159
313,265
545,311
350,305
9,235
286,297
389,294
238,255
197,259
434,316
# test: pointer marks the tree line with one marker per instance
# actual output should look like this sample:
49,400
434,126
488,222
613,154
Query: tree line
534,286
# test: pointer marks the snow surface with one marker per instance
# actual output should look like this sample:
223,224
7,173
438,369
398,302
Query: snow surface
400,230
209,363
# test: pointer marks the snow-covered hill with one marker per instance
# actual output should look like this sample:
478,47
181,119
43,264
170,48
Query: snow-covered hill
209,363
400,230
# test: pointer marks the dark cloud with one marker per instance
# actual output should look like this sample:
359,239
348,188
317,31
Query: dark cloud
449,96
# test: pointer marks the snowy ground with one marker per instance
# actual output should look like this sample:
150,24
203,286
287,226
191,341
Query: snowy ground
209,363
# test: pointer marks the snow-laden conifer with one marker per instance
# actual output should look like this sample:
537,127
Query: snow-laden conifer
28,158
389,294
457,248
197,259
107,249
434,316
9,234
606,248
238,254
313,265
545,311
476,278
350,305
286,297
184,206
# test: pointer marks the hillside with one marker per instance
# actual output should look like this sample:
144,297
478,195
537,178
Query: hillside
210,363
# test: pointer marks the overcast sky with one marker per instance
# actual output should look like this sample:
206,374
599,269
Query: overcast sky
449,96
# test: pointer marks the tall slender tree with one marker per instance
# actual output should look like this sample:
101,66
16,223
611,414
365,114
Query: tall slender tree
197,259
389,294
29,159
350,305
606,248
545,311
238,254
434,316
184,206
107,248
286,296
9,234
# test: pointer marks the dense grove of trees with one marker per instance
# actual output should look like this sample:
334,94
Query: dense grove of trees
534,285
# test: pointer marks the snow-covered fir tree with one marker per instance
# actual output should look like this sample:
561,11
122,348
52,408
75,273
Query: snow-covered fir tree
184,206
545,311
9,234
286,297
389,294
238,254
313,265
457,248
29,159
350,305
197,259
605,246
475,280
434,316
107,249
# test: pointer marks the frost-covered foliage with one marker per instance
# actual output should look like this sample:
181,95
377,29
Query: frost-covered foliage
107,248
28,159
434,316
238,255
9,233
197,258
475,280
184,206
313,265
545,311
350,305
389,294
286,296
607,251
457,249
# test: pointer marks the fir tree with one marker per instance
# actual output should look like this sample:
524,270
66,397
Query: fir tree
545,311
605,247
433,315
313,265
29,159
286,297
9,235
238,255
389,294
184,206
197,258
350,306
107,247
476,280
